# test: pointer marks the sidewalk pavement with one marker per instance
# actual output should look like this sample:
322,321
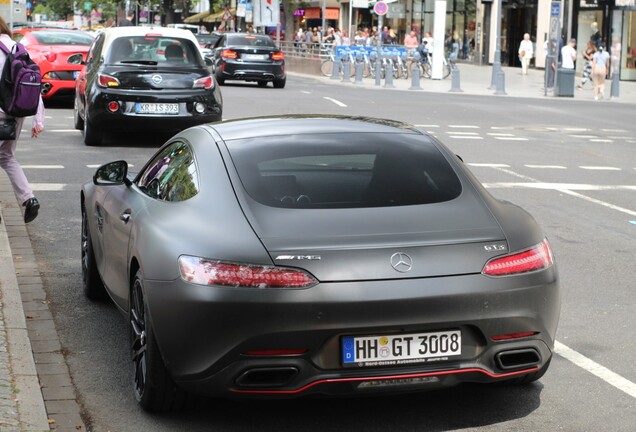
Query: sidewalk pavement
476,80
34,378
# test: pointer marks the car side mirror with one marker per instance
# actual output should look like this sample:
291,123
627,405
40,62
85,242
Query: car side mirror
76,59
208,61
112,174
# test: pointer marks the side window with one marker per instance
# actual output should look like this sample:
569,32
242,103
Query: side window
95,48
20,38
171,175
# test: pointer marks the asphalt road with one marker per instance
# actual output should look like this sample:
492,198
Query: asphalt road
571,164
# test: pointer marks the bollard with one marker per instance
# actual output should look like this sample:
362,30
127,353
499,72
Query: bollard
346,70
615,91
378,71
335,72
501,83
359,71
455,80
388,77
415,78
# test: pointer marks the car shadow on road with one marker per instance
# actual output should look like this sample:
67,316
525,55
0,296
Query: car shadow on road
468,405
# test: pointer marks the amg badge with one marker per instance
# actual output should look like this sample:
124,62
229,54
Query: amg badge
298,257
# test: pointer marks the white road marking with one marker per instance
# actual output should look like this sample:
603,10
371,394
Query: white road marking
501,127
464,126
546,166
599,168
462,133
584,136
572,193
43,166
426,126
511,139
620,137
594,368
48,187
575,129
499,134
614,130
337,102
466,137
62,130
558,186
601,140
305,92
489,165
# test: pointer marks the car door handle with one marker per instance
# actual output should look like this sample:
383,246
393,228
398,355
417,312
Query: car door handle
125,216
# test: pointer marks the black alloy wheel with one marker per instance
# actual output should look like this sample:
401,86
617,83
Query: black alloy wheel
154,389
78,122
91,281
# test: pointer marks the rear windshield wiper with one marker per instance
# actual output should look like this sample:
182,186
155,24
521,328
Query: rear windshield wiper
144,62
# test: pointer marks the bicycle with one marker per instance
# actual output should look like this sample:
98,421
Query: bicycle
326,67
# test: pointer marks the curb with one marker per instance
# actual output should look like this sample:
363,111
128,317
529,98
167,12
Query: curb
31,412
46,398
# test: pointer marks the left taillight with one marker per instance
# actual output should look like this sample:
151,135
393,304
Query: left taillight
538,257
107,81
278,56
211,272
229,54
50,56
205,82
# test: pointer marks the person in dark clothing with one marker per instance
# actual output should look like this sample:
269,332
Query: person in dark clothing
128,21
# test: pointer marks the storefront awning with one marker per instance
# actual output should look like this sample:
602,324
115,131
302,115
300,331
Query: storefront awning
197,17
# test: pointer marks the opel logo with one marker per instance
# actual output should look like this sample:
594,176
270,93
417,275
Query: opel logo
156,79
401,262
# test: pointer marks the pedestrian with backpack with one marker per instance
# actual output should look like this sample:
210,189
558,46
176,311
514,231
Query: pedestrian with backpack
19,98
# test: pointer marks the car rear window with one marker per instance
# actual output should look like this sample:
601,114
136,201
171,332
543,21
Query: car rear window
62,38
344,170
250,40
161,49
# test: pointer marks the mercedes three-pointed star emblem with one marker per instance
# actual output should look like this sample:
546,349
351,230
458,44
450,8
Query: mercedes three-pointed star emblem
401,262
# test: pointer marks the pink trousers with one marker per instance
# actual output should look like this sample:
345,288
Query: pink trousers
11,166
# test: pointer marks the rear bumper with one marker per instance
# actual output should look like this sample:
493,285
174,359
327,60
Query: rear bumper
126,119
232,70
206,334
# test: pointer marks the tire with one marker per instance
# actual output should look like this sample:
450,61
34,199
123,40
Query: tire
262,83
91,281
426,70
154,389
326,68
280,83
219,79
447,71
366,71
78,122
91,134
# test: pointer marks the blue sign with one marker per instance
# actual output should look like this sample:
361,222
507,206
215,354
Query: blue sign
555,10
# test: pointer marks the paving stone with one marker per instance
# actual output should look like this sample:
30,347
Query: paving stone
49,358
58,380
46,346
51,368
58,393
62,407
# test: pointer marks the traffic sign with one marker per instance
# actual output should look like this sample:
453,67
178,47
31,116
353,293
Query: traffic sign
227,16
380,8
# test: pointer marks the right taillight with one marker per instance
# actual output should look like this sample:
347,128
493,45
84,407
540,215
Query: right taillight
538,257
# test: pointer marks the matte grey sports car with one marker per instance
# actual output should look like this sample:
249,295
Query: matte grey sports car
316,254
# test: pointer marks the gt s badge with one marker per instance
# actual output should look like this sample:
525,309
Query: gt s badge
298,257
495,247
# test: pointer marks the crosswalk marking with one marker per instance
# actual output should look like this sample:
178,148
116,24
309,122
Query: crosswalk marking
466,137
463,126
600,168
461,133
546,166
511,138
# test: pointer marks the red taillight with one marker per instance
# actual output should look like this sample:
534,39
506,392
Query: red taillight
113,106
208,272
537,258
513,336
206,83
50,56
107,81
161,52
229,54
278,56
276,352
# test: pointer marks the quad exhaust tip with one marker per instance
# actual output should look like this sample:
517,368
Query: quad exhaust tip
519,358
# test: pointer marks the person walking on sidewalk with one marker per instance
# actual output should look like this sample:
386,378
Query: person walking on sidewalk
526,52
588,55
8,162
568,55
600,66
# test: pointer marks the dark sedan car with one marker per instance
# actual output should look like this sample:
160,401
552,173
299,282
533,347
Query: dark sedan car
249,57
144,79
335,256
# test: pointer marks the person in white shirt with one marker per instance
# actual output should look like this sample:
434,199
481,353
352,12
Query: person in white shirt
526,52
568,55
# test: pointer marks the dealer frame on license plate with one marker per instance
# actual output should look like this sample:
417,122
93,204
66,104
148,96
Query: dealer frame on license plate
400,349
157,108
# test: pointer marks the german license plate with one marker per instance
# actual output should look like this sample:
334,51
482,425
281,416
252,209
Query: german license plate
401,349
254,56
157,108
75,74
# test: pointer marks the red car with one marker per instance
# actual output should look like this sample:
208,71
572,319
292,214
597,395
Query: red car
50,49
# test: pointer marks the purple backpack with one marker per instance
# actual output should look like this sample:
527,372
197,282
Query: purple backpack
20,83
